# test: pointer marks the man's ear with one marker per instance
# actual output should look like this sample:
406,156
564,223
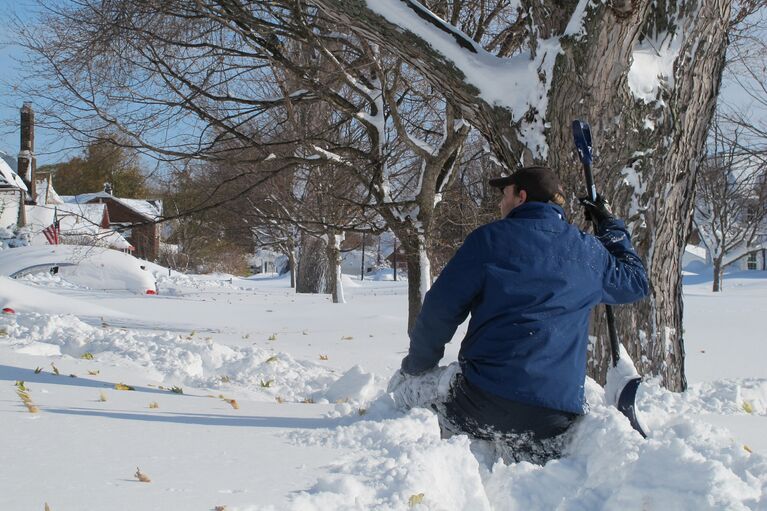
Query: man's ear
523,195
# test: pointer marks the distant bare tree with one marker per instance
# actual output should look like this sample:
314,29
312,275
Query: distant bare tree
745,75
731,202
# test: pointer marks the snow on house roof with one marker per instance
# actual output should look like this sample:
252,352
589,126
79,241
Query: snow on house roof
9,178
150,209
10,160
45,193
82,221
82,218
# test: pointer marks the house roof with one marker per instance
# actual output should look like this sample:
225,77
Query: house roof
9,178
10,160
73,218
45,192
149,209
76,220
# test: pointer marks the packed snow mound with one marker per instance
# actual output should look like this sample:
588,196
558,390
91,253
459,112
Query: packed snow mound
355,385
91,267
728,396
396,461
181,359
180,284
30,298
385,274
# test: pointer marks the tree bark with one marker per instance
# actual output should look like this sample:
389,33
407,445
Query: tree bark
312,266
418,272
717,286
647,151
292,264
333,251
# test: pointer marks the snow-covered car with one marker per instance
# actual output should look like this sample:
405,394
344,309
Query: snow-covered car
91,267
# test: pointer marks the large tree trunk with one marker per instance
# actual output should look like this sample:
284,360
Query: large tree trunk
312,266
647,148
648,173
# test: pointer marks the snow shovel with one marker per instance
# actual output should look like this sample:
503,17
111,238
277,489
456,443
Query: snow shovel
622,369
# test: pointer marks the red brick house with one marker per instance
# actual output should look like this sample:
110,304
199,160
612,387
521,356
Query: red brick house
135,219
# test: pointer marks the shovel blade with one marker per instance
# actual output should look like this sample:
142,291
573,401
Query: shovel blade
627,404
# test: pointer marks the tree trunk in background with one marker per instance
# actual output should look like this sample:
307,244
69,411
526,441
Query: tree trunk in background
333,255
717,274
418,273
312,266
646,150
292,264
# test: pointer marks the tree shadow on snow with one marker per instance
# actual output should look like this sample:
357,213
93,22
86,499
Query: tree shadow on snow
707,276
204,419
136,323
13,373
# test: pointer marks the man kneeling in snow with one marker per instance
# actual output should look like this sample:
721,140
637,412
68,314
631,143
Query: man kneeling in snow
530,281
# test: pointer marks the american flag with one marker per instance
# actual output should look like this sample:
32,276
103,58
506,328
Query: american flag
53,232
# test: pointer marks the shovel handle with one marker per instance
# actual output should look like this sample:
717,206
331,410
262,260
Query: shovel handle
582,137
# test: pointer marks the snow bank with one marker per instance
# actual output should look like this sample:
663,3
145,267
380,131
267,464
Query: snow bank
179,284
22,297
189,359
355,385
398,461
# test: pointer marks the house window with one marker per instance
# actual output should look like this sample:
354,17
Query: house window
752,261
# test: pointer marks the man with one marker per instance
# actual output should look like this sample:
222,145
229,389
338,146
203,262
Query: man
530,281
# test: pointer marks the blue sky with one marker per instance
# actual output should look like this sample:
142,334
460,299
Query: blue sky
48,146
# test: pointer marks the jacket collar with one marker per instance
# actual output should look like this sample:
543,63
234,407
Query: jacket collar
537,210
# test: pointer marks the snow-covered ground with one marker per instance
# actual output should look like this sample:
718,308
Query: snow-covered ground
248,396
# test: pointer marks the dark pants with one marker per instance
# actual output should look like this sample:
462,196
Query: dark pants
486,416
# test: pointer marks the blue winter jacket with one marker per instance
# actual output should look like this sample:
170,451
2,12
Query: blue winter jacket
529,281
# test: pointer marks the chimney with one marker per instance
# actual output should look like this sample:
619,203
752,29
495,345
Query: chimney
27,164
108,188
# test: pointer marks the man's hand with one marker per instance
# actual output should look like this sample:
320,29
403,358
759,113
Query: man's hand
597,211
397,379
398,388
410,391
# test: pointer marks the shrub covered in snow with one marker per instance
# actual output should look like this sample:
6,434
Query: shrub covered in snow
14,238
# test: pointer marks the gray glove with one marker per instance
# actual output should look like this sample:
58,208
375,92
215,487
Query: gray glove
409,391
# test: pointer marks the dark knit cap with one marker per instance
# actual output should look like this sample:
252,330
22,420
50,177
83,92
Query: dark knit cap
540,183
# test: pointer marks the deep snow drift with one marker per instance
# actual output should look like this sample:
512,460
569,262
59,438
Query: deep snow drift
249,396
